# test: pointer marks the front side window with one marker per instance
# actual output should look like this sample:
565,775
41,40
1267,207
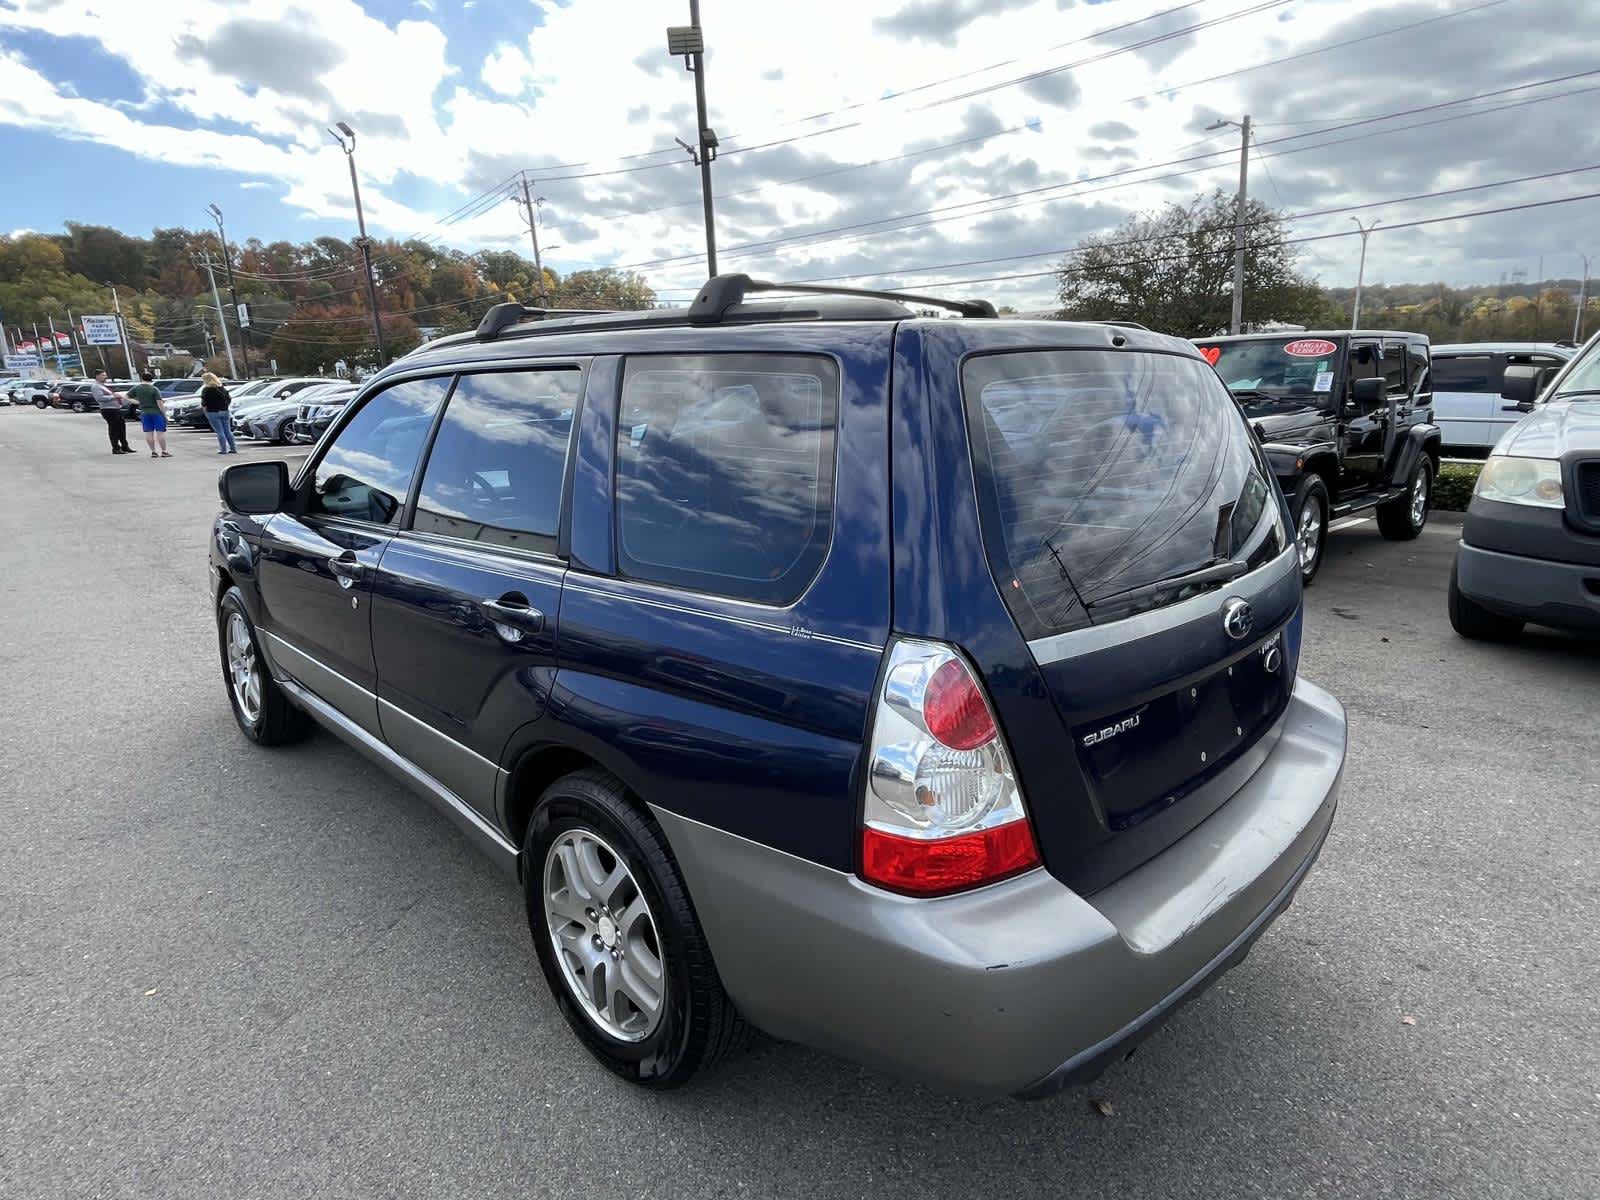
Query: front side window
367,472
725,472
1394,368
1421,377
1106,481
496,467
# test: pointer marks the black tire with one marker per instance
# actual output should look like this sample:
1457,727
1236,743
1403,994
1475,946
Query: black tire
78,406
278,721
1313,492
41,402
1471,620
698,1024
1396,519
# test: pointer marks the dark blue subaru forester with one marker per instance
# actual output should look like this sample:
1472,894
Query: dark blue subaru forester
920,689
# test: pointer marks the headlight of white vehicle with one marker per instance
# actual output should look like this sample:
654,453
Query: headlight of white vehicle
1511,480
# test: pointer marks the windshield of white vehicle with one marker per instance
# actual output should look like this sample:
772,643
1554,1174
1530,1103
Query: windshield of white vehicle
1266,373
1584,379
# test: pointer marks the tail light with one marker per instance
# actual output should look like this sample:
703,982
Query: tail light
943,811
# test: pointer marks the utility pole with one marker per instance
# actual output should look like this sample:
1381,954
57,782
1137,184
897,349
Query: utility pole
531,205
1361,271
233,292
349,148
122,328
77,346
1583,298
1236,320
222,317
689,41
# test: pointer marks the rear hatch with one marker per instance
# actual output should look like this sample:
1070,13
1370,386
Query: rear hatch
1140,545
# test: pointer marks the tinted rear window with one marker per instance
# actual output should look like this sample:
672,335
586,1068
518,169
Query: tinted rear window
1100,474
1475,373
725,472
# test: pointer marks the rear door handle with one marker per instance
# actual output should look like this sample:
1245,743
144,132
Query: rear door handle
512,616
346,569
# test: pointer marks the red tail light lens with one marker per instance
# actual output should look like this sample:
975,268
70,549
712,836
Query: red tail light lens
923,867
953,708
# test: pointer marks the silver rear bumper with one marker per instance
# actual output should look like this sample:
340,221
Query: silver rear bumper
1025,986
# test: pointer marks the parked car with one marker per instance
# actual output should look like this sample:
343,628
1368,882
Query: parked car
924,690
170,388
1345,419
317,411
272,422
78,395
29,391
1467,383
1530,542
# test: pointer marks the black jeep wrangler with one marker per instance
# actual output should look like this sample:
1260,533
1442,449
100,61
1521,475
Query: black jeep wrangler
1345,420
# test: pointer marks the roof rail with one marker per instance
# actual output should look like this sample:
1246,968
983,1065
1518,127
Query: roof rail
502,316
723,292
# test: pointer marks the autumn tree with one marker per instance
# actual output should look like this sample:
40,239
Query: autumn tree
1173,271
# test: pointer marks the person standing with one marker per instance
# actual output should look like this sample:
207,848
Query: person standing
152,414
214,399
111,409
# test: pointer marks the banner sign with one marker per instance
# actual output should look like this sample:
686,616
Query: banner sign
101,331
23,362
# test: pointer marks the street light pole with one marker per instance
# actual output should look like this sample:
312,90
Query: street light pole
222,316
1236,318
346,137
689,41
1361,271
1583,298
233,292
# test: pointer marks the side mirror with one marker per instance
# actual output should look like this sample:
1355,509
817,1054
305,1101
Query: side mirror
255,489
1521,385
1370,394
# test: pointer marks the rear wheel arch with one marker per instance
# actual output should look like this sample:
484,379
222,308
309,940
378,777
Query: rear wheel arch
535,769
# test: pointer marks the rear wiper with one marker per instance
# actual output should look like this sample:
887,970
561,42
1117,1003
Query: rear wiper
1222,572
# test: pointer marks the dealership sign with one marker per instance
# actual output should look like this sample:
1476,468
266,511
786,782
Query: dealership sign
1311,348
23,362
101,331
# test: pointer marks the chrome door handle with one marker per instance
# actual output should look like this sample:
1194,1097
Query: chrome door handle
345,569
512,616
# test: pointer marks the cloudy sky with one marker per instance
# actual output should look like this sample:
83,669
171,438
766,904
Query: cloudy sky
926,142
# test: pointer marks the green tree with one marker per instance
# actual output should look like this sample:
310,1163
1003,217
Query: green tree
1173,271
602,287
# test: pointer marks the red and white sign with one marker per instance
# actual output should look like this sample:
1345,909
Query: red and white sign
1311,348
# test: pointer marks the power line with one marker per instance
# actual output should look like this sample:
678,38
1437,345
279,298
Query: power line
817,237
1300,216
1319,237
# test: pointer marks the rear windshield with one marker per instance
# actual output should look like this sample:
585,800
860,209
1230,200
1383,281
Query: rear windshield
1104,478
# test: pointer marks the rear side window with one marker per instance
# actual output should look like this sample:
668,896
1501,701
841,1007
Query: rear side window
495,471
367,471
1475,373
725,472
1103,477
1421,377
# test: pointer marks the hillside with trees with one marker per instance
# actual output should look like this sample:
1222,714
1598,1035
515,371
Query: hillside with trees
307,301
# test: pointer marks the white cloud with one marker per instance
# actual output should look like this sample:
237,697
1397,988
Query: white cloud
594,85
507,71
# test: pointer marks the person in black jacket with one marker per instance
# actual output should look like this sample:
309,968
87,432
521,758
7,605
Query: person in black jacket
214,399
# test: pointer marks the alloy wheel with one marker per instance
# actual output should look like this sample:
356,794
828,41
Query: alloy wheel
604,936
243,669
1419,499
1309,538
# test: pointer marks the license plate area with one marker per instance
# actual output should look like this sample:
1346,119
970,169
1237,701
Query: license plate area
1143,760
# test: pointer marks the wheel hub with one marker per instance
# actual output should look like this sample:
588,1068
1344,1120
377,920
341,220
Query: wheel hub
607,930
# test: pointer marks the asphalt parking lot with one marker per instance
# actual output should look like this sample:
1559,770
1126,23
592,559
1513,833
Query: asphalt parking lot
232,972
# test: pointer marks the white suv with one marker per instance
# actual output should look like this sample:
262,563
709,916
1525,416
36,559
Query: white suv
1467,404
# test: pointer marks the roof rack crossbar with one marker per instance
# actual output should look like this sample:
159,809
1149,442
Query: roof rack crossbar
510,312
722,292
